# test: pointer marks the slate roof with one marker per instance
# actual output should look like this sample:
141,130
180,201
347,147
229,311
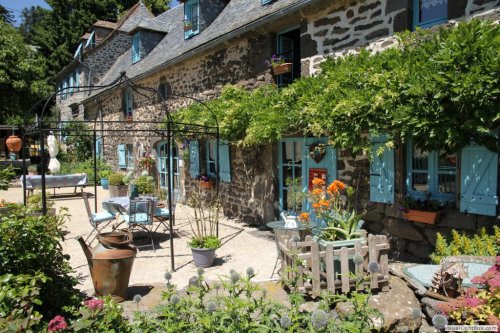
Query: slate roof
238,17
105,24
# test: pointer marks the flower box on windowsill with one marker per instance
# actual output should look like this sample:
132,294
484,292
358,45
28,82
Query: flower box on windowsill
282,68
421,216
188,27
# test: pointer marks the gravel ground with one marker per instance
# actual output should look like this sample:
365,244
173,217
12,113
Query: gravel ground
243,246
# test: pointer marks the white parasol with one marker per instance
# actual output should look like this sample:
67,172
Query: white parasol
54,164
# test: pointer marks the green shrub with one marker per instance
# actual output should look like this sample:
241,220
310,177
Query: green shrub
86,166
6,174
208,242
31,245
481,244
116,178
145,185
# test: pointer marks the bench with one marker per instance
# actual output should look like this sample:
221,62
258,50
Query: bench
56,181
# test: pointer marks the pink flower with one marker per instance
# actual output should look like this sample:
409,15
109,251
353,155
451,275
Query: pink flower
497,260
494,283
493,320
57,324
473,302
479,280
471,292
94,304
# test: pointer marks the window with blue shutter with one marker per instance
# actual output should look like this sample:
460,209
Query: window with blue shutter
381,171
194,159
191,18
136,51
427,13
122,158
78,52
478,180
91,41
431,174
224,160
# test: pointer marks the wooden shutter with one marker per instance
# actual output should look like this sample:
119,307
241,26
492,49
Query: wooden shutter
122,161
381,172
479,172
194,159
225,162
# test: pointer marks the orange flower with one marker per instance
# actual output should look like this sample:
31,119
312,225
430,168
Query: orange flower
340,185
324,204
317,191
304,217
332,188
318,182
315,205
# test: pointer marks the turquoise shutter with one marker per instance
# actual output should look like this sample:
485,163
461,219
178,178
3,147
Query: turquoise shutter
381,172
136,54
98,148
478,190
194,159
122,162
225,162
77,78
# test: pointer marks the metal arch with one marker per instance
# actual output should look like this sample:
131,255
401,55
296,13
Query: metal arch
122,79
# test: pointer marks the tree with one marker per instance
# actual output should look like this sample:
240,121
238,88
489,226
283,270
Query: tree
22,75
6,16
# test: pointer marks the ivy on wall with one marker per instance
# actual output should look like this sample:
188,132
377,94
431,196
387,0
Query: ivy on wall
439,87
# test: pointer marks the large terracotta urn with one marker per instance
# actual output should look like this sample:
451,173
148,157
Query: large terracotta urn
13,142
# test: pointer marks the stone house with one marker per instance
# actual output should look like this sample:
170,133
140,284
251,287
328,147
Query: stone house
200,46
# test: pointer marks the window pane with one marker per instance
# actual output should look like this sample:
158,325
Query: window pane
287,173
432,10
420,182
298,152
446,183
212,167
420,159
287,148
447,162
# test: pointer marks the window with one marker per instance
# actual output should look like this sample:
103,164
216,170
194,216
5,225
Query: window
289,47
78,52
431,173
163,89
224,160
128,102
125,156
76,79
291,167
136,51
427,13
163,169
191,18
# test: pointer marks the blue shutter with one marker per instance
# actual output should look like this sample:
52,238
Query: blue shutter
129,102
136,54
225,162
122,161
478,190
77,78
90,41
194,159
381,172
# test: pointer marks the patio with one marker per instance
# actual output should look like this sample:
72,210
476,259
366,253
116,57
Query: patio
243,246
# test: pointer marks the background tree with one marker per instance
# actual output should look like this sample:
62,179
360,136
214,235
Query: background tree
23,78
6,16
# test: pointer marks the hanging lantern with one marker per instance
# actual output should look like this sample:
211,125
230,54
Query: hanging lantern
35,157
14,143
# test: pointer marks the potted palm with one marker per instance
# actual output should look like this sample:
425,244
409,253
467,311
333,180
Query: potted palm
203,216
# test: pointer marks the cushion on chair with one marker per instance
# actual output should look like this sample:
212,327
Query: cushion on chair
162,212
100,217
139,218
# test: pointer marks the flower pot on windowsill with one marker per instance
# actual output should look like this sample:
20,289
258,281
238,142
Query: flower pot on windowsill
206,185
282,68
129,118
421,216
188,27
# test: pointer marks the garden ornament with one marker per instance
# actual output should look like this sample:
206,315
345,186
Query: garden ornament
54,164
448,279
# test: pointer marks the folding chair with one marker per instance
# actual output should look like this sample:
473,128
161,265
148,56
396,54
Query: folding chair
141,216
98,220
163,214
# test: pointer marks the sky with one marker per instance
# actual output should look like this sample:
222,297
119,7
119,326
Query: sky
16,6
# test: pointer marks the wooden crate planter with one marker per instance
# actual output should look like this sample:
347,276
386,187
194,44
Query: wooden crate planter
421,216
308,257
282,68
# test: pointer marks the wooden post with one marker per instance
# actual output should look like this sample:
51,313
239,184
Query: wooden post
330,270
372,255
315,269
344,269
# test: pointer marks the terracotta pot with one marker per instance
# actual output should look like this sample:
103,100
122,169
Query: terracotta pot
282,69
206,185
14,142
188,27
421,216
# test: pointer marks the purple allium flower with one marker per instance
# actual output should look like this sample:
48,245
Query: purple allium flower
319,319
285,322
439,321
374,267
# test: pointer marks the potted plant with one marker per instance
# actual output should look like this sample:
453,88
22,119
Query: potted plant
147,162
188,25
104,176
279,65
32,170
203,219
205,182
145,184
117,187
35,205
426,211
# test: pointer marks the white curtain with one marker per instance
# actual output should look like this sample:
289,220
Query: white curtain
54,164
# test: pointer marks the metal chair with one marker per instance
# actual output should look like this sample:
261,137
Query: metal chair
140,215
98,220
163,214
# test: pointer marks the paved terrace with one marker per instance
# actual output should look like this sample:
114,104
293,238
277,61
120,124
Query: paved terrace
243,246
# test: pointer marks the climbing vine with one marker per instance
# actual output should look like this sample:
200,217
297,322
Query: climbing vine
439,87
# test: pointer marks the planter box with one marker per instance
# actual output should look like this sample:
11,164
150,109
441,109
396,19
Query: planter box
282,69
188,27
336,246
118,190
421,216
206,185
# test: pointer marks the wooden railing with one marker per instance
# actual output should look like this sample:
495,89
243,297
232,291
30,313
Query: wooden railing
316,267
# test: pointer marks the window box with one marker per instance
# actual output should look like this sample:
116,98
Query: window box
188,26
206,185
422,216
282,68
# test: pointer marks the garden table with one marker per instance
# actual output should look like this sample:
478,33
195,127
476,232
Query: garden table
56,181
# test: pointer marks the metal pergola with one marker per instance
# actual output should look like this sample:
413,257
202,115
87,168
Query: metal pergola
122,128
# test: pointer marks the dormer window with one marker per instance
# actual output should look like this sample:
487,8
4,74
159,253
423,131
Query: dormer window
265,2
191,18
78,52
136,51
